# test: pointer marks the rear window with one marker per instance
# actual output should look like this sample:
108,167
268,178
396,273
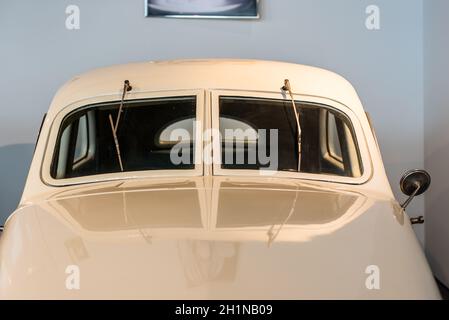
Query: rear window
327,143
86,144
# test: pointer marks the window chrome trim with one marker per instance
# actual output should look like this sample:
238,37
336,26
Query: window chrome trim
359,137
136,96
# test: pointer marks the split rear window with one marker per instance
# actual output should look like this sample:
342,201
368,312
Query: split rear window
86,144
91,142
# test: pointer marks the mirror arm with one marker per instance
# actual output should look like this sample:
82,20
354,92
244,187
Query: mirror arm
414,183
412,196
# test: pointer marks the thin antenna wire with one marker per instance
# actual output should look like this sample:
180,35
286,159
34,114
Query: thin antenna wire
114,128
117,145
288,88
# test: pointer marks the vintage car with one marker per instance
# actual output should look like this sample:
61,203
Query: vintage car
211,179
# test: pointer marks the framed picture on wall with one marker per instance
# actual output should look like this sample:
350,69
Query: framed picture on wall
220,9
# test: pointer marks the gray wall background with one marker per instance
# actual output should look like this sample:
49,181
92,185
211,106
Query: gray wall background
38,54
436,98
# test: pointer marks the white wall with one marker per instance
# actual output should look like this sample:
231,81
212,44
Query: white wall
436,98
38,54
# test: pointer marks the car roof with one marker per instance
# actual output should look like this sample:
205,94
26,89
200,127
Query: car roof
247,75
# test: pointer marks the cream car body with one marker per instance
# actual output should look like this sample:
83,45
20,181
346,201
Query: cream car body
210,233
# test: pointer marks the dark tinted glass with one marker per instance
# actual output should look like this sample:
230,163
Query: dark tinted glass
328,144
86,143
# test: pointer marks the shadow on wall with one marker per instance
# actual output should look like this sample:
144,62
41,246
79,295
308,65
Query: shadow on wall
15,161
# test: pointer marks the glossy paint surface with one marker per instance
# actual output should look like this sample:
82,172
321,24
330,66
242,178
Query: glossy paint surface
238,239
209,235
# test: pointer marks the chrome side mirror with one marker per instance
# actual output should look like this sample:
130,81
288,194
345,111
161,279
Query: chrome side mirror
414,183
